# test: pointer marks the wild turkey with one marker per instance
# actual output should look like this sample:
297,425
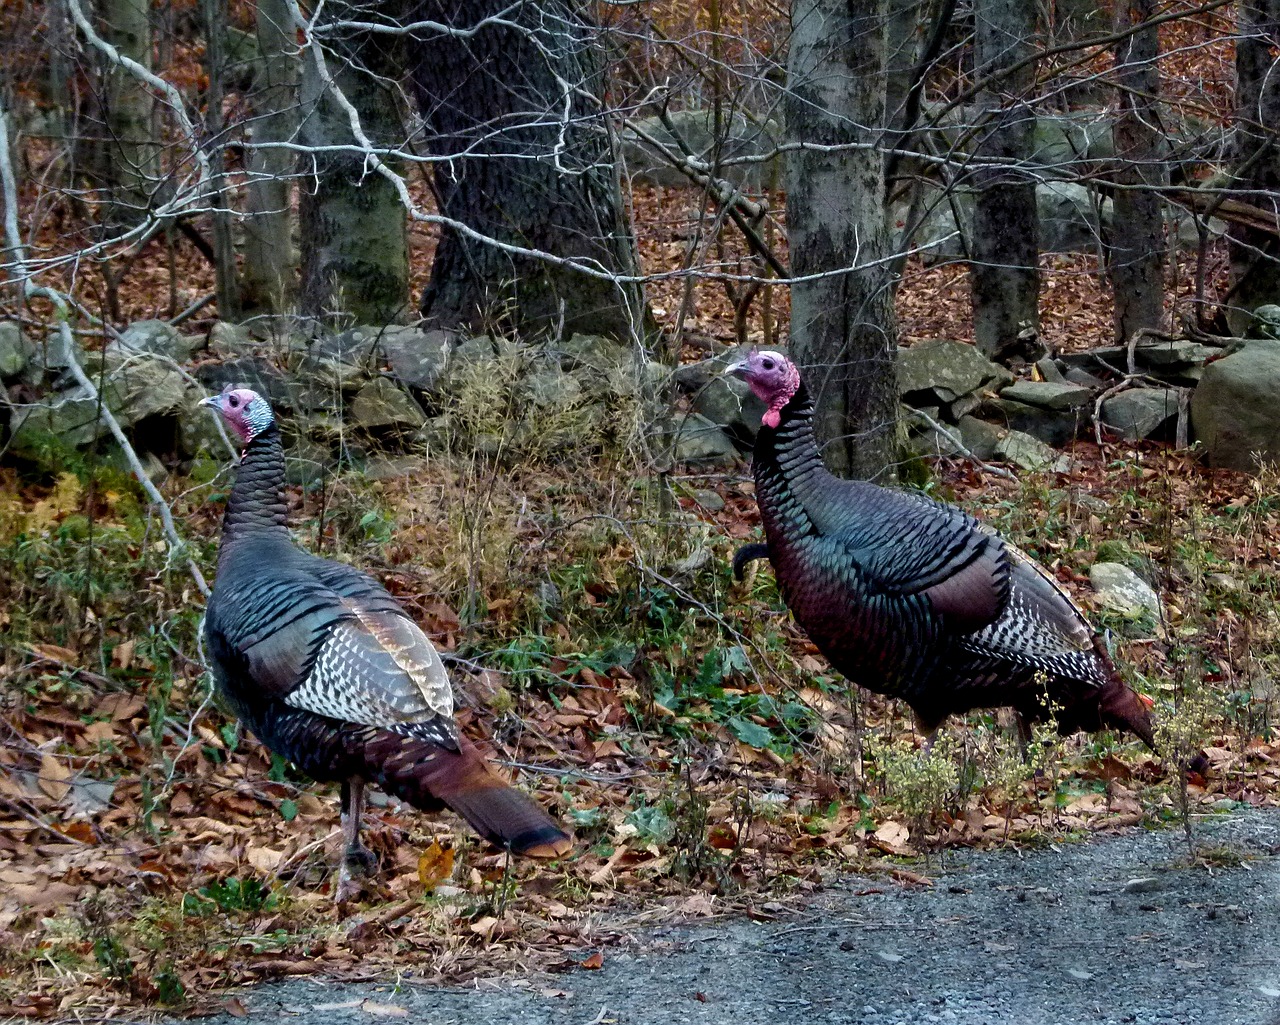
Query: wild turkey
327,669
916,599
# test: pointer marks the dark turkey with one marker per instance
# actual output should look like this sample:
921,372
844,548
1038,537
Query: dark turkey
913,598
328,671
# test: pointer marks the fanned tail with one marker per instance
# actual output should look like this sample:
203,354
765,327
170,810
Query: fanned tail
428,775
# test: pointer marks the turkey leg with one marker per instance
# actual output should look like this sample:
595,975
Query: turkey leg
357,860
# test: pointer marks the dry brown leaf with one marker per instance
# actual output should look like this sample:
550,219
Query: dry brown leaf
55,778
384,1010
594,962
435,865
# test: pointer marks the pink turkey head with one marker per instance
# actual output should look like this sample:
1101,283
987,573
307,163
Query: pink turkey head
246,412
773,378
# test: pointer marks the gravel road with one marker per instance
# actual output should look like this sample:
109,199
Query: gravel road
1112,931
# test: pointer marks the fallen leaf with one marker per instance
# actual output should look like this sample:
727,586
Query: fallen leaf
235,1007
55,778
594,962
385,1010
435,865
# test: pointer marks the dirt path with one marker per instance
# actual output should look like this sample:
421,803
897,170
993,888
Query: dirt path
1112,931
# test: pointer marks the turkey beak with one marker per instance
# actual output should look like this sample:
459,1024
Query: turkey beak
211,401
735,368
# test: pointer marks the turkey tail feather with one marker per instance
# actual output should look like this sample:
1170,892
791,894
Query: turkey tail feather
428,775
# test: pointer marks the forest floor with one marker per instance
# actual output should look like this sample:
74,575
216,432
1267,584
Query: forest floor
152,856
1127,929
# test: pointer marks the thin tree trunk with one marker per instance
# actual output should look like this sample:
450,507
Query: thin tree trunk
224,259
1135,249
270,263
843,333
355,263
1255,255
1004,274
129,157
517,108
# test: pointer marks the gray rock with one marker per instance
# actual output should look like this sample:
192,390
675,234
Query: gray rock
698,440
155,337
229,340
941,371
1030,453
417,358
1049,370
133,389
1047,394
731,404
1051,426
382,404
696,129
980,437
1082,377
709,500
1266,322
306,461
1233,411
595,352
249,372
550,389
1224,583
355,345
1069,217
1139,412
1175,354
1122,590
486,349
15,350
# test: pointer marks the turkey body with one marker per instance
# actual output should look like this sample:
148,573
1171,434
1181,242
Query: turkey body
325,667
917,600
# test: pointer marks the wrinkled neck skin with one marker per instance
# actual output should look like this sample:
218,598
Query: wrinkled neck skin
257,506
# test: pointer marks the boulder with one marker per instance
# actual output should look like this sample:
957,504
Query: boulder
15,350
227,340
1030,453
383,405
980,437
595,352
249,372
1069,217
1048,394
1121,589
698,440
1051,426
1266,322
156,337
729,403
416,357
1233,411
550,389
941,371
696,129
1139,412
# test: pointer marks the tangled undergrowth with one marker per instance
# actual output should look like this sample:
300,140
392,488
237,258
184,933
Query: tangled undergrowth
701,749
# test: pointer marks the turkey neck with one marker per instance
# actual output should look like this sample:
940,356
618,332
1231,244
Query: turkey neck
788,468
256,506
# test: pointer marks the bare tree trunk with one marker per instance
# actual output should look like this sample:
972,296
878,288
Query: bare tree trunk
1135,249
516,108
269,283
129,156
1255,255
843,333
1004,274
355,263
224,252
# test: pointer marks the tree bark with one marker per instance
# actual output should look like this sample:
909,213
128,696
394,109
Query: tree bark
1255,254
1004,274
269,281
355,265
128,156
515,112
224,262
1135,249
843,333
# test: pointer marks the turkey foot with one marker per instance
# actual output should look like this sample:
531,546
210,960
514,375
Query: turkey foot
358,862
